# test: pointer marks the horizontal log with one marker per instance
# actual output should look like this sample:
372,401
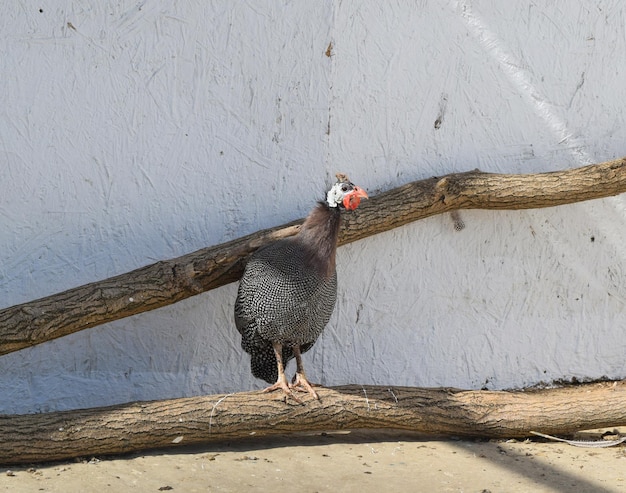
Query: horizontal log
169,281
202,420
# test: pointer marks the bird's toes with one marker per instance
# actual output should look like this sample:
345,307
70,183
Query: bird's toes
284,386
301,384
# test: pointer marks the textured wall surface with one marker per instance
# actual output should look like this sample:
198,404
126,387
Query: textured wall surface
137,131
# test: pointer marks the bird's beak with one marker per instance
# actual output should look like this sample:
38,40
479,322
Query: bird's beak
352,199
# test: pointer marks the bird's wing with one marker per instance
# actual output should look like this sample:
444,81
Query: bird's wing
280,298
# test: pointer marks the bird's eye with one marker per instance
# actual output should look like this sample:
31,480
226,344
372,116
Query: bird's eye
344,188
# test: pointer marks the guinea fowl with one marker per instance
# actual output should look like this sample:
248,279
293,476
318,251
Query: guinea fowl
288,290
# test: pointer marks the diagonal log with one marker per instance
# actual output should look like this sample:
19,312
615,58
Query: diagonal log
169,281
201,420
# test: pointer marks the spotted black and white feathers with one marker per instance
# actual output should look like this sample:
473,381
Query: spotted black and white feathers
282,297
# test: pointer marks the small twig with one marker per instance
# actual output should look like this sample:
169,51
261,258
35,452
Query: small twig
390,390
583,443
366,399
213,410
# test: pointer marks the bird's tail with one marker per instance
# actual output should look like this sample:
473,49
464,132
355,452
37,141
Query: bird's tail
263,362
263,365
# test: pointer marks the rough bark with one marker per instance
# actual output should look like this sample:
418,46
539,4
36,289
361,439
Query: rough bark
148,425
170,281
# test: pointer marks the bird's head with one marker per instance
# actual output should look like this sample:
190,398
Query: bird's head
345,194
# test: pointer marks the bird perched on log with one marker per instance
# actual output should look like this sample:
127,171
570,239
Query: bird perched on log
288,290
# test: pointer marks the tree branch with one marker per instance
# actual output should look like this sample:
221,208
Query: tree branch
170,281
147,425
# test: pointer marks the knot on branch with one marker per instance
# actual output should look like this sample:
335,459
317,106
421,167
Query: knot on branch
441,190
186,277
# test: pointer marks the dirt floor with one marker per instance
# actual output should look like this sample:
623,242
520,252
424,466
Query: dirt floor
359,461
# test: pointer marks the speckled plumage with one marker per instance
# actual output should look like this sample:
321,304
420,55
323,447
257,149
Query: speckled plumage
287,292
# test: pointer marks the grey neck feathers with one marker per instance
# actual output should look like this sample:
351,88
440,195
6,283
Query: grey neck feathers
319,234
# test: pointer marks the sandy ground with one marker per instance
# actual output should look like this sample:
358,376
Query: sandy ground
358,461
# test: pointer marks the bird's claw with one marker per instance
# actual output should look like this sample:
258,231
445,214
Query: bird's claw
286,388
301,384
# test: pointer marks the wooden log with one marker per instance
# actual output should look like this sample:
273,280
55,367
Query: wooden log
201,420
169,281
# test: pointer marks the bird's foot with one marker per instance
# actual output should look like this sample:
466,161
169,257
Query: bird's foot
301,383
282,384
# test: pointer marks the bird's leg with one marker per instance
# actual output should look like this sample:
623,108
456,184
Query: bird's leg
300,380
281,381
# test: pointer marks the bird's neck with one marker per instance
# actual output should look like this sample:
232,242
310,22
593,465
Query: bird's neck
319,234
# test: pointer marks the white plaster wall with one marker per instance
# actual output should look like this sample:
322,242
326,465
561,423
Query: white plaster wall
133,132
